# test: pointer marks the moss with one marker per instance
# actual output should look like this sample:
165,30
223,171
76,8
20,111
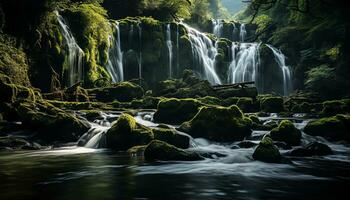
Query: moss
272,104
286,132
303,107
254,119
333,128
336,107
158,150
230,101
221,124
266,151
176,110
137,150
209,100
246,104
126,133
172,137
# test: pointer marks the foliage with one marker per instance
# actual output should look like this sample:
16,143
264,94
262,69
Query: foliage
321,79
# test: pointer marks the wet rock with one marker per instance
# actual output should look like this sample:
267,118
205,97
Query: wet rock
272,104
13,143
266,151
126,133
137,150
246,104
334,128
176,110
336,107
222,124
312,149
286,132
158,150
172,137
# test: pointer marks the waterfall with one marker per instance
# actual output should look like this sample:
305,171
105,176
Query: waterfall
115,57
245,63
140,51
204,53
177,49
242,33
170,49
95,138
217,27
286,72
75,53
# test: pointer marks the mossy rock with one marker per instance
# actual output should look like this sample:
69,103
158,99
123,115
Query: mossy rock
336,107
137,150
52,124
303,107
333,128
126,133
222,124
286,132
209,100
158,150
266,151
230,101
172,137
123,92
11,92
273,104
312,149
176,110
246,104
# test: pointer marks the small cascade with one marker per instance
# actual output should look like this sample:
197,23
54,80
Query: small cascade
217,27
95,138
75,53
204,54
169,44
234,31
115,57
242,33
245,63
140,51
177,49
286,72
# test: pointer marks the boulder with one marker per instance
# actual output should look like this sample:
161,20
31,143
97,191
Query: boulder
176,110
172,137
126,133
158,150
272,104
246,104
286,132
334,128
266,151
222,124
311,149
336,107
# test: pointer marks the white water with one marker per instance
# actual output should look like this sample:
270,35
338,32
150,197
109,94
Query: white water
75,53
286,72
242,33
177,49
217,27
245,63
115,56
204,54
169,44
140,51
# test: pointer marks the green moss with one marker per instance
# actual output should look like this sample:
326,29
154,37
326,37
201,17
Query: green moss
218,124
246,104
158,150
209,100
172,137
286,132
272,104
266,151
176,110
336,107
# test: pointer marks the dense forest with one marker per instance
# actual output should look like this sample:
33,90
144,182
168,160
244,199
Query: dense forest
212,99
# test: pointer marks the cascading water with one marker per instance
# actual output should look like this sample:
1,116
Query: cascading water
242,33
140,51
286,72
177,49
169,44
75,53
217,27
204,54
245,63
115,57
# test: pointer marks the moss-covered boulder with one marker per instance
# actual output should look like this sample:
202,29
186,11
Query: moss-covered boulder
266,151
333,128
209,100
273,104
51,123
124,91
221,124
246,104
11,92
171,136
312,149
176,110
126,133
336,107
158,150
286,132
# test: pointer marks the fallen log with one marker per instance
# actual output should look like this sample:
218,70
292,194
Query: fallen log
235,85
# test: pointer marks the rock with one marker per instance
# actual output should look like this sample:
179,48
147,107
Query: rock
246,144
51,123
137,150
272,104
172,137
266,151
10,142
126,133
312,149
246,104
336,107
334,128
222,124
123,92
158,150
176,110
286,132
209,100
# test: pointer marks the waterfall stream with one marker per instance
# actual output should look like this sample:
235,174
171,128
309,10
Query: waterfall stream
75,53
169,44
242,33
217,27
140,51
115,56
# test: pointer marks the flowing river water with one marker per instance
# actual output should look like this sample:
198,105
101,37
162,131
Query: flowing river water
74,172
